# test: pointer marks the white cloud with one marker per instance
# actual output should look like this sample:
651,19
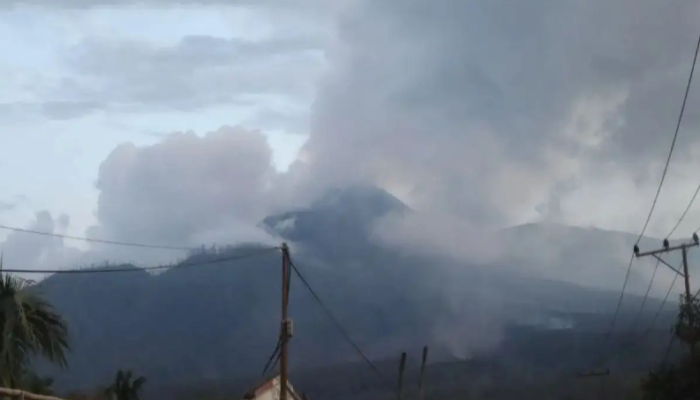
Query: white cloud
186,187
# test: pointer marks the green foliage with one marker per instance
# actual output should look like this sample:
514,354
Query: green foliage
682,381
29,327
682,328
124,388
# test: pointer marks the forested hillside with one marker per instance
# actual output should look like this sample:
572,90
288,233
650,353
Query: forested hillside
212,324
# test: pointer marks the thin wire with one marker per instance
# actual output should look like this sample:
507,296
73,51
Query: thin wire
277,360
619,301
84,239
137,269
673,143
268,364
607,355
658,190
673,338
646,296
661,307
277,352
606,351
692,200
335,321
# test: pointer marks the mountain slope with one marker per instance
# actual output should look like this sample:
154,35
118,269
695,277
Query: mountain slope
220,321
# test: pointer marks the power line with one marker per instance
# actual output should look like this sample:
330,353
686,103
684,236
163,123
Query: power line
692,200
606,355
138,269
84,239
661,306
275,356
673,143
658,190
663,303
335,321
646,296
675,276
673,339
619,301
622,294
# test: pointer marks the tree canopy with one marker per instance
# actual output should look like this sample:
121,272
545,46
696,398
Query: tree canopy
29,328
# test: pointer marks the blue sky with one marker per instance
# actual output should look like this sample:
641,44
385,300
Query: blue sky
53,162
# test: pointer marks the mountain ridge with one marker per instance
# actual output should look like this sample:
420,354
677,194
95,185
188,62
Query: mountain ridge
220,321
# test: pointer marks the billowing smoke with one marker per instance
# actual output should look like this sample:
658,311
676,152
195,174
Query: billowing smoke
479,115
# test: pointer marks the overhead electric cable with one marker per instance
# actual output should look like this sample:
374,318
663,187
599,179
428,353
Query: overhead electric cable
661,306
673,338
658,191
275,356
673,142
619,301
337,324
84,239
692,200
138,269
646,296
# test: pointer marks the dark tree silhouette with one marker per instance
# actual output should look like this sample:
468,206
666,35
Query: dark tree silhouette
124,388
28,327
681,381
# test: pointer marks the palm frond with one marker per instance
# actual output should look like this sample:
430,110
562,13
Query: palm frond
29,327
123,388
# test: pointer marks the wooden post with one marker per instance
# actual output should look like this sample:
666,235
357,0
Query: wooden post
686,277
402,366
284,326
689,305
421,389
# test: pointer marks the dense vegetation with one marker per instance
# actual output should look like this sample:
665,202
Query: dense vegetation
680,380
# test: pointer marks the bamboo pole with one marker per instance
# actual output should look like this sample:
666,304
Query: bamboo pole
25,395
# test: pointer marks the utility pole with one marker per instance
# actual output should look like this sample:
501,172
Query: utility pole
402,366
421,389
686,276
286,326
689,305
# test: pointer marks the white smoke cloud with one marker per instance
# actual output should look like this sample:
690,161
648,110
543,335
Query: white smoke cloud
505,113
480,114
187,189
